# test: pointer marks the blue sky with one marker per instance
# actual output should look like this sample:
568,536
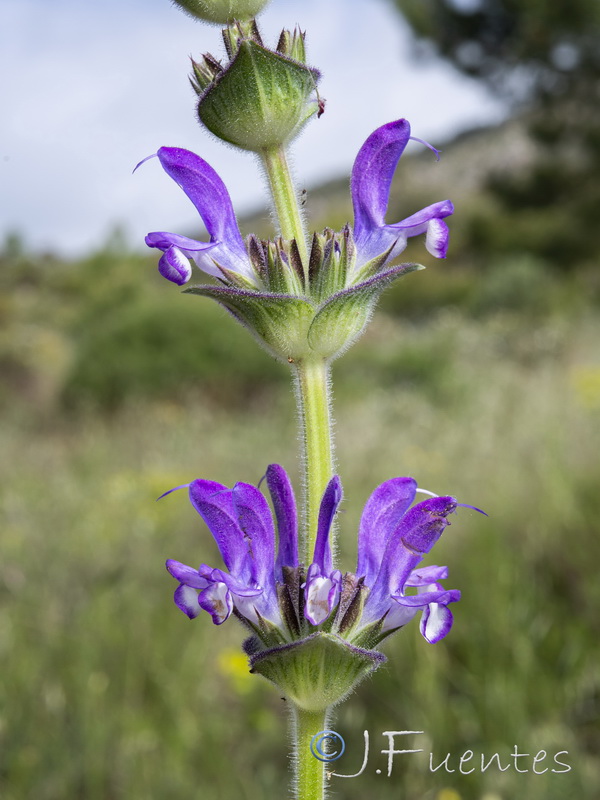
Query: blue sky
89,89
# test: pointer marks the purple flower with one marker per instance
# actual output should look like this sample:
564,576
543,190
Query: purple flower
370,185
226,251
241,522
393,539
281,601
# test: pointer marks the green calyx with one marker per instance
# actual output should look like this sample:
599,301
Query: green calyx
316,672
221,12
261,100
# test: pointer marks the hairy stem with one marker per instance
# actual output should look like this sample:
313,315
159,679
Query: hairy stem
309,772
285,199
313,398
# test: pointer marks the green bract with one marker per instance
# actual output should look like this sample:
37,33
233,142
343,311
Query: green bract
316,672
295,321
222,11
261,100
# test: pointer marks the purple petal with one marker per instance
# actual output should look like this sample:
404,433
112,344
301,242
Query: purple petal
429,221
426,575
214,503
162,240
437,238
321,594
424,524
381,515
174,266
207,192
329,505
187,600
202,253
398,616
235,586
186,575
284,505
443,596
256,522
217,600
250,607
436,622
372,176
417,223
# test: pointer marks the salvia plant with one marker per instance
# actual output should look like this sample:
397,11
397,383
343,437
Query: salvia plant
313,630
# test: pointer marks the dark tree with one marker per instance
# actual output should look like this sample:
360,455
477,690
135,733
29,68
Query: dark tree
543,57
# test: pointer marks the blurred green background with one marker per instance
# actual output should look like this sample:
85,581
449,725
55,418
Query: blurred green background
480,377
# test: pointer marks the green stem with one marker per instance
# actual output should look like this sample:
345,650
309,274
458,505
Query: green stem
286,200
313,398
309,772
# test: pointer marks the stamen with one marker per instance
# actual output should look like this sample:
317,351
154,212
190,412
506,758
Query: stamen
430,146
143,161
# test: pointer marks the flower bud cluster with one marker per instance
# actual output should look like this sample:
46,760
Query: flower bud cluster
262,98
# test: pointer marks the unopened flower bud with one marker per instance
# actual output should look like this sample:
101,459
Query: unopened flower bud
261,100
222,11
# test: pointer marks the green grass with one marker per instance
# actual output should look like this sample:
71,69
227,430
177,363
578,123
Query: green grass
109,693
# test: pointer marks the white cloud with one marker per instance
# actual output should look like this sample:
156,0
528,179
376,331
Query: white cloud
93,89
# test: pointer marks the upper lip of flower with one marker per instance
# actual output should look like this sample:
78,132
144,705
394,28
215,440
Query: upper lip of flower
370,187
394,537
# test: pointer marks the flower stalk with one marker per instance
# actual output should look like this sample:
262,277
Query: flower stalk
285,200
316,434
309,772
